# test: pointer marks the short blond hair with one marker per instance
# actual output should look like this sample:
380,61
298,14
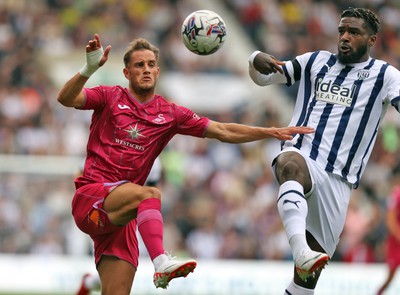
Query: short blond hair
139,44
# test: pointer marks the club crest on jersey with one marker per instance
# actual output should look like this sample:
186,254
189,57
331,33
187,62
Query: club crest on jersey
159,120
333,93
363,74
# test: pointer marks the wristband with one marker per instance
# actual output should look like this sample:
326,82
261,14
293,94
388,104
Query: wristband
93,59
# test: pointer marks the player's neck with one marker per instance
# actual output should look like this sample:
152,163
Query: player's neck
142,96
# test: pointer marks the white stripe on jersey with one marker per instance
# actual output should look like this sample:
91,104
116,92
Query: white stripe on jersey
345,104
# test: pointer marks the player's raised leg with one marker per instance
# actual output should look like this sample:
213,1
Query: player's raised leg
147,200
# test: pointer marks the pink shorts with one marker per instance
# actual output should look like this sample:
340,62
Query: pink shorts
92,219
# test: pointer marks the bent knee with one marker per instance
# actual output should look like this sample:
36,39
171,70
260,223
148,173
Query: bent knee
290,169
152,192
291,166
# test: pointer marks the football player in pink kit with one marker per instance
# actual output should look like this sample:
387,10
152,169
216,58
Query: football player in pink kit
393,239
129,129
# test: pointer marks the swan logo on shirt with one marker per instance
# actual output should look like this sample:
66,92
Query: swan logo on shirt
159,120
333,93
123,107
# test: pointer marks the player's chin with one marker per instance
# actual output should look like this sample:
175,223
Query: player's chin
147,86
346,57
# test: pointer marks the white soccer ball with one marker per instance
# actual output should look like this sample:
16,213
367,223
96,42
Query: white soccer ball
203,32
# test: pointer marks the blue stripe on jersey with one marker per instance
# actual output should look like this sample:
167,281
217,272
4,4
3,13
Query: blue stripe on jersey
344,121
364,120
307,86
325,115
288,79
356,183
321,74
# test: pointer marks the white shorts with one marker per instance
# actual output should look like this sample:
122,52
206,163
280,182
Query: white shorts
327,202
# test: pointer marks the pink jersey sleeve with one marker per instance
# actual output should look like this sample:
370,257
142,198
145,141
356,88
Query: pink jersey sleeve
95,97
189,123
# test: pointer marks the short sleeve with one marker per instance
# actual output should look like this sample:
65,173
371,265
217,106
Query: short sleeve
95,97
189,123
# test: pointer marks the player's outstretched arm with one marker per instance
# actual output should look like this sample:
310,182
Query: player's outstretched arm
71,94
239,133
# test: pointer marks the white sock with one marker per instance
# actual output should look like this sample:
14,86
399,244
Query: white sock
297,243
293,209
159,260
294,289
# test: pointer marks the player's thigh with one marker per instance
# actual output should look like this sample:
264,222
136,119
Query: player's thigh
122,202
116,276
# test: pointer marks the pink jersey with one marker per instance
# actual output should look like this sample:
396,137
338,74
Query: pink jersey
126,136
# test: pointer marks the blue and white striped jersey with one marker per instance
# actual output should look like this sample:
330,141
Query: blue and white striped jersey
344,103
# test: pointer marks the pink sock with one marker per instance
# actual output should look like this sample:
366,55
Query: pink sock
150,225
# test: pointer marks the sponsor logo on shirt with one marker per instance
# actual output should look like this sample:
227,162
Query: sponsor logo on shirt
129,144
335,94
133,133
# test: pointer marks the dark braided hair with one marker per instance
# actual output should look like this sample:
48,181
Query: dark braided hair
367,15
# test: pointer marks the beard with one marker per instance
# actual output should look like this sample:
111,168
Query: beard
353,56
143,90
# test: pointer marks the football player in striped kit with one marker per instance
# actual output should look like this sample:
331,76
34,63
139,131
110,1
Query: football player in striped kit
344,96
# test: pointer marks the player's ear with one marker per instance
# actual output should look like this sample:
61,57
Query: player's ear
126,73
371,40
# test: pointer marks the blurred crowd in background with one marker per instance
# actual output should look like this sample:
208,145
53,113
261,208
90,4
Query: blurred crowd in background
219,200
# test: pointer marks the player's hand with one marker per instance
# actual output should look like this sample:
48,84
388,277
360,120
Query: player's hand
95,44
267,64
286,133
95,56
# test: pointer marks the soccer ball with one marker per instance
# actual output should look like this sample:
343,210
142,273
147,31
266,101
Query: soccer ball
203,32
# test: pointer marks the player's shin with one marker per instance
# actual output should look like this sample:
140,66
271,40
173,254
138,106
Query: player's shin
150,225
293,210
